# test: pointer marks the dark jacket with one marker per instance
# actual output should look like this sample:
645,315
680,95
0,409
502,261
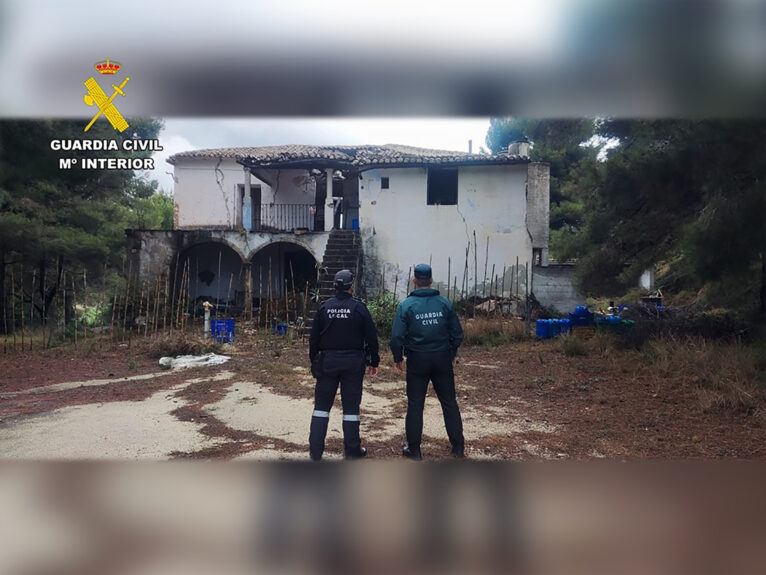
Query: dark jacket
344,322
425,322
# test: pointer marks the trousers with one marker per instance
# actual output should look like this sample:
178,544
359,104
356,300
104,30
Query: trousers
435,367
344,368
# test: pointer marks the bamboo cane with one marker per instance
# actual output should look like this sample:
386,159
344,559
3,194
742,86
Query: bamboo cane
260,293
287,304
74,311
148,314
13,308
21,287
292,281
32,307
228,295
502,288
165,304
305,300
454,289
127,293
156,316
268,299
486,261
218,290
475,275
396,284
85,303
449,273
526,289
5,323
517,276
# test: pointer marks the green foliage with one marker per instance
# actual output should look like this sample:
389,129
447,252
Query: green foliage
683,192
55,220
565,144
383,309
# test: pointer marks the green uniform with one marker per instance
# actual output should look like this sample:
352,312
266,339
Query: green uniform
427,329
425,322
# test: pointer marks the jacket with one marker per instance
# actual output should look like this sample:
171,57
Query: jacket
425,322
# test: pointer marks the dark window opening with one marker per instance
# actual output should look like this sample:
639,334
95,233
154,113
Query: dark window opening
384,183
442,187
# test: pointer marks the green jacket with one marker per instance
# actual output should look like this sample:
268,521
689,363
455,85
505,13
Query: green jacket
425,321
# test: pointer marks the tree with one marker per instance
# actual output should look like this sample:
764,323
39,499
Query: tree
687,193
55,218
565,144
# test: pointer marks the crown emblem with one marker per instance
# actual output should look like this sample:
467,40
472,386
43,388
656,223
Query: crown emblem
108,67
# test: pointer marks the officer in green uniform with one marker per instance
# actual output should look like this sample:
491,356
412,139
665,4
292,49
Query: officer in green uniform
427,330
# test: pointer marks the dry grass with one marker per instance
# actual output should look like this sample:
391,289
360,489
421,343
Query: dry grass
180,343
491,332
727,376
573,346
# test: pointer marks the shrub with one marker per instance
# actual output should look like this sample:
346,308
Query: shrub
382,309
573,346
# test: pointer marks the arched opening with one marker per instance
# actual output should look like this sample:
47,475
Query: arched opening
211,272
283,274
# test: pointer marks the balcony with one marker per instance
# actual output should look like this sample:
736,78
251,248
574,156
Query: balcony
286,218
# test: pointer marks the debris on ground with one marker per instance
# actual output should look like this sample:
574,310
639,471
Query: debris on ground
184,361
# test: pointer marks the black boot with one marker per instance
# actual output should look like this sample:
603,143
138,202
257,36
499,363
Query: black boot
412,452
316,437
352,443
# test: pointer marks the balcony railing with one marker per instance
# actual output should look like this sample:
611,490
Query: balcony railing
284,217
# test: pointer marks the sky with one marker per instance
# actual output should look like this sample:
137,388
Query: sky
180,135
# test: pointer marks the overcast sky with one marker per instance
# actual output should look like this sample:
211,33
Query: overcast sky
181,135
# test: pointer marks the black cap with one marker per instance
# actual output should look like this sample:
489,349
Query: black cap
344,279
423,272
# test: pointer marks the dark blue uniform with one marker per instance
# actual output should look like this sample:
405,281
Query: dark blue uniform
342,334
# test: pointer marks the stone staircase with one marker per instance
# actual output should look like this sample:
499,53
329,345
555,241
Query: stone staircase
343,252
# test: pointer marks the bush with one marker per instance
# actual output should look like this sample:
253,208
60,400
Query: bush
573,346
383,309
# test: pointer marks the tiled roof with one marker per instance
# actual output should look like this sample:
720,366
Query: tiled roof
360,156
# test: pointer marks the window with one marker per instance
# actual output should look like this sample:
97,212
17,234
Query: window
384,182
442,187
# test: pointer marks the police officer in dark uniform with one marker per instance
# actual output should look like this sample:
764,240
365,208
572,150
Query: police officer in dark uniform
427,329
343,340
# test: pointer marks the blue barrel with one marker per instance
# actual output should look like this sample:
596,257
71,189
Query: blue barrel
222,330
566,325
279,329
541,329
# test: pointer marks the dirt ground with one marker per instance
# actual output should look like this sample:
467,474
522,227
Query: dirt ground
523,401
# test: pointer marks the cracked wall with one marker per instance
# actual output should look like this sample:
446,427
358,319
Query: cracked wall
399,229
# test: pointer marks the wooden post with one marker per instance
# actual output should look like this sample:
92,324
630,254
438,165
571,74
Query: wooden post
13,308
74,312
486,261
449,273
475,275
218,289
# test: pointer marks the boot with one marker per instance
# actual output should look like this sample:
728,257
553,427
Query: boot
352,443
317,436
412,453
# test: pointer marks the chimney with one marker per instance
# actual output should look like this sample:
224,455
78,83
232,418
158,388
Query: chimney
519,148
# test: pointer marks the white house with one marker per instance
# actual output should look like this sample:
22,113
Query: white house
256,221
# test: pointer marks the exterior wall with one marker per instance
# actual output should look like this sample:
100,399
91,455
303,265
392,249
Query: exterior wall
538,207
206,192
554,288
400,230
154,251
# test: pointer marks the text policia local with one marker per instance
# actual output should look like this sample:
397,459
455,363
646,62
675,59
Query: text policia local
127,145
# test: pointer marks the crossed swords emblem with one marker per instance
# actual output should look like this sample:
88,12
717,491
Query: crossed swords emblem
97,96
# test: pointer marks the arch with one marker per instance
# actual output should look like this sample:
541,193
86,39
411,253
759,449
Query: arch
187,245
288,240
212,270
292,267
